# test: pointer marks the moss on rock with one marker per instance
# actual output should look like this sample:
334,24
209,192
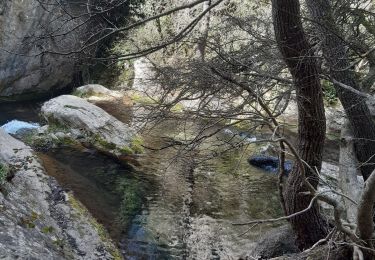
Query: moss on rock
103,143
137,145
4,170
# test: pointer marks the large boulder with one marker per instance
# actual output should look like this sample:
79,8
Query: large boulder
38,219
90,125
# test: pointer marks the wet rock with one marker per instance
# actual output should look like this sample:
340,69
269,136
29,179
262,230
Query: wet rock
91,126
276,242
37,222
269,163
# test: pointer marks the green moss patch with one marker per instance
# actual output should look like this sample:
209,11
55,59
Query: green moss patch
137,145
103,143
47,230
126,150
4,170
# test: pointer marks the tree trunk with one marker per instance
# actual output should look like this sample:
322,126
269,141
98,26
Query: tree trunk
310,226
334,50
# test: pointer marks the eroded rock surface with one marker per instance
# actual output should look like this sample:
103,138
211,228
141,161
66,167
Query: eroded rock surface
38,219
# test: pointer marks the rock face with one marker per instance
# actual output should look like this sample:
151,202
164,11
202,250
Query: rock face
38,219
22,70
90,124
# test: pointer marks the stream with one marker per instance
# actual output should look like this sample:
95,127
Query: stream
171,207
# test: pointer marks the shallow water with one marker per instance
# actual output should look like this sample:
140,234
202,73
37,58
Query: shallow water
174,206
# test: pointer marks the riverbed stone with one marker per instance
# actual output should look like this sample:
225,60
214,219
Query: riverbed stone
98,128
37,220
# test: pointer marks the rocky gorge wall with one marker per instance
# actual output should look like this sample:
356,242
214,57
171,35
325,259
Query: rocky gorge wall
27,30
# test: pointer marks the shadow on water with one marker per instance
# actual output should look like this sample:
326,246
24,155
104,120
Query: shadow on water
88,176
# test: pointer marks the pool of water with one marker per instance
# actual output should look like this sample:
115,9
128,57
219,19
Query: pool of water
176,205
173,210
